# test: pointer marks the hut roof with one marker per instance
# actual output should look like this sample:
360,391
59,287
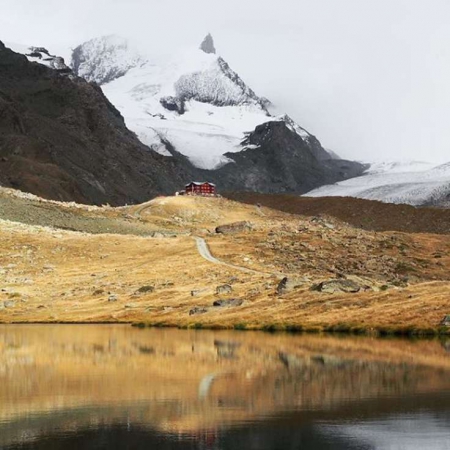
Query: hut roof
199,183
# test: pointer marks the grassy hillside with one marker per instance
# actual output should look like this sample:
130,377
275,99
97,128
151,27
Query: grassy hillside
141,264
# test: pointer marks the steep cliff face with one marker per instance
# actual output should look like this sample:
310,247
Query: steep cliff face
61,138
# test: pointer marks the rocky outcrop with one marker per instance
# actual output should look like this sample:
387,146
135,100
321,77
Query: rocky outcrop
232,302
288,284
198,310
43,56
224,289
336,286
236,227
173,104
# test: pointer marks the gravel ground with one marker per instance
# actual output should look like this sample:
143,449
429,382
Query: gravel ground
46,214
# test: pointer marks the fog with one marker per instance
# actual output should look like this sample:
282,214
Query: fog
370,78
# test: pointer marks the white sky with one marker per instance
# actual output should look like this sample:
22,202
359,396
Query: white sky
370,78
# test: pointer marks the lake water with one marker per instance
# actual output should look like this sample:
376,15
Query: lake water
118,387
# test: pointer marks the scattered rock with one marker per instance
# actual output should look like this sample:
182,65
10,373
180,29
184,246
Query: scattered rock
228,302
145,289
288,284
197,292
113,298
334,286
156,234
224,289
198,310
236,227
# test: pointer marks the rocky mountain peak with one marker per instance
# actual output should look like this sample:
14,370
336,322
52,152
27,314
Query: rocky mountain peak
208,44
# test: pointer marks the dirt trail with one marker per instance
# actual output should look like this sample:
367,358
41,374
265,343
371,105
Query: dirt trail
205,253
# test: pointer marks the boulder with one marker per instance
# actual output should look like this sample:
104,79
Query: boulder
113,298
335,286
446,321
224,289
228,302
9,304
198,310
288,284
145,289
235,227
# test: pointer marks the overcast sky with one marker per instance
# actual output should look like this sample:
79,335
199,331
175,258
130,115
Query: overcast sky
370,78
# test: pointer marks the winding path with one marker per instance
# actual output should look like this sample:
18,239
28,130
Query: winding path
205,253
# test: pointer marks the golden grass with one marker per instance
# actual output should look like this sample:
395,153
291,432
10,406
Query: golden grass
59,276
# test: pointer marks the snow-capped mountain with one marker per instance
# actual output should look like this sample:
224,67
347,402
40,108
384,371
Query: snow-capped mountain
193,101
413,183
197,118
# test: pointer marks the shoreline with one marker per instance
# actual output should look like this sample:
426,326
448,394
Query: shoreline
338,329
341,329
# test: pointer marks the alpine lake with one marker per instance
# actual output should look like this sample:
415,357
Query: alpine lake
119,387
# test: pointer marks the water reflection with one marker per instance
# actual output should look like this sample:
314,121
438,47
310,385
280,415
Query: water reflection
117,387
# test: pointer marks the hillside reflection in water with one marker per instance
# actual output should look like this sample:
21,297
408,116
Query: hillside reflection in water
113,386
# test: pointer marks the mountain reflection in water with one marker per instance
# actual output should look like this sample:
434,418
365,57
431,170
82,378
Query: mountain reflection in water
113,386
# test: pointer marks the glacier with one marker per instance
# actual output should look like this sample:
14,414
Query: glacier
413,183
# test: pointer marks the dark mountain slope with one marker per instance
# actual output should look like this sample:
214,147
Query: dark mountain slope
365,214
60,138
279,160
